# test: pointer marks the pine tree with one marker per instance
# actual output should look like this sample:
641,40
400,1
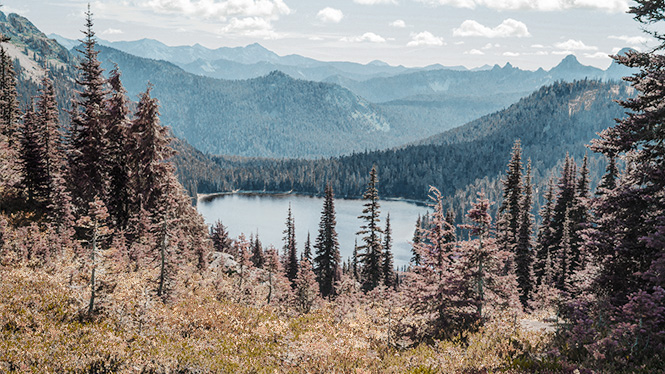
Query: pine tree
221,242
509,211
355,266
608,181
524,245
415,257
9,111
389,275
307,252
544,241
31,158
327,260
305,288
371,251
88,161
119,151
290,252
54,191
258,258
150,153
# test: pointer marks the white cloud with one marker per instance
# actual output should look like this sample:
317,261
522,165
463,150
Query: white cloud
215,9
575,45
111,31
597,55
330,15
511,54
615,6
366,37
476,52
541,53
398,23
630,40
537,46
490,46
507,28
425,38
250,26
374,2
315,38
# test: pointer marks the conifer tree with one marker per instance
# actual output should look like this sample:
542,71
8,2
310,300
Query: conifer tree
307,252
389,275
509,211
290,252
119,151
415,257
152,150
371,250
608,181
524,247
221,242
305,288
32,158
327,260
544,241
355,266
88,162
258,258
9,110
54,191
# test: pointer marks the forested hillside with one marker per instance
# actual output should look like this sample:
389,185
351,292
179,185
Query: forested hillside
555,120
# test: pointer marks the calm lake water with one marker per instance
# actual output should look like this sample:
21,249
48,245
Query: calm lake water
266,214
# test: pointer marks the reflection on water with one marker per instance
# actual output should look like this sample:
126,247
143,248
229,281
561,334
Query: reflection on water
266,214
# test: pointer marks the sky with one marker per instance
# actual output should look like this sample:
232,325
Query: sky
527,33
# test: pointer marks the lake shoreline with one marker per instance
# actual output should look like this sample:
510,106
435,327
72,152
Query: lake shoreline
211,196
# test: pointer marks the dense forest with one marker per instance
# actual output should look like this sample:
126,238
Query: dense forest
106,267
551,122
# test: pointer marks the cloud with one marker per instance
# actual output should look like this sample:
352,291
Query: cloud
597,55
575,45
111,31
537,46
511,54
398,23
507,28
374,2
215,9
366,37
614,6
476,52
330,15
250,26
425,38
630,40
490,45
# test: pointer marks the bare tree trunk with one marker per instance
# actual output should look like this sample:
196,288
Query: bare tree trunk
93,285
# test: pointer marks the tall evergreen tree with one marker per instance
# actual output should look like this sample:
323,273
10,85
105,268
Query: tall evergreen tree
545,239
415,257
327,260
608,181
9,111
524,246
290,252
307,252
258,257
88,132
119,152
509,211
389,275
32,158
371,250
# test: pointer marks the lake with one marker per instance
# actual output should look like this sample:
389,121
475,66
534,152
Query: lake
265,214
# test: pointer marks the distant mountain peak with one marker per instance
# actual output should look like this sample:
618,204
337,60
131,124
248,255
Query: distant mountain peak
378,63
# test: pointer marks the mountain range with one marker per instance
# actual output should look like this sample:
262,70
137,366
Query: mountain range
277,115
